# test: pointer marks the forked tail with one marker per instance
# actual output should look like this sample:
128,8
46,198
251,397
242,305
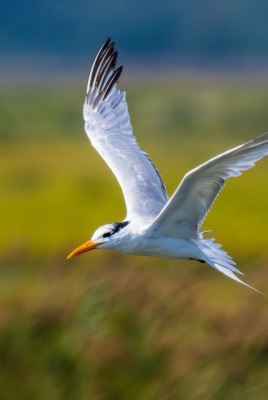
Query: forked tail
219,259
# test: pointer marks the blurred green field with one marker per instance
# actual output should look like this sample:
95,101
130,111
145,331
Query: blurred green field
106,326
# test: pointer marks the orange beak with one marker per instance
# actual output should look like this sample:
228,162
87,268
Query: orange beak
83,248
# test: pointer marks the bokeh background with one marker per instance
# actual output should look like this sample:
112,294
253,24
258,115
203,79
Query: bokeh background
105,326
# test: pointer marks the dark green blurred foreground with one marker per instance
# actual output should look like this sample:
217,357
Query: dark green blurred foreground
105,326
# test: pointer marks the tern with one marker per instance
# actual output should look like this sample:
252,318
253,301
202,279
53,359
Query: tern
155,225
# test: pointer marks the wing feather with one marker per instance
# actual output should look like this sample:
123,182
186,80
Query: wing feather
189,205
108,127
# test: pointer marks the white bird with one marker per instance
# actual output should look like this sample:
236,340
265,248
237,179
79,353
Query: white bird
155,225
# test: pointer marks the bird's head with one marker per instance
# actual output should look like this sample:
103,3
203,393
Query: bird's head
104,236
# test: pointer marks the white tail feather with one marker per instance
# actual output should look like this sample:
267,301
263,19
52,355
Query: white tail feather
220,260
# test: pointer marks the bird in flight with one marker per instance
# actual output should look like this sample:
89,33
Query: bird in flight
155,225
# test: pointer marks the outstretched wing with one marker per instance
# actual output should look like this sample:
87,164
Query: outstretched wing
108,127
187,208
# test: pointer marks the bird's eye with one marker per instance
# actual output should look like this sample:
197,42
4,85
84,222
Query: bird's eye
107,234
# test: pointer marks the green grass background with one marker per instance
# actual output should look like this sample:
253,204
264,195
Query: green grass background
105,326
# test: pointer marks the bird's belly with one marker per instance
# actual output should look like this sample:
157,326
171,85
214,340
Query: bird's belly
164,247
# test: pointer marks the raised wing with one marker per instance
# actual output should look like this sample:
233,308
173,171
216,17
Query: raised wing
108,127
187,208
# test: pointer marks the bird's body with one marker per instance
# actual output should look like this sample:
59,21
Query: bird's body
155,225
141,240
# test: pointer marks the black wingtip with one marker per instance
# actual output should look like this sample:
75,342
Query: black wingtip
103,76
106,43
96,61
112,81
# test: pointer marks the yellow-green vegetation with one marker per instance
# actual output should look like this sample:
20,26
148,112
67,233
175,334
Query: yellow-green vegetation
105,326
